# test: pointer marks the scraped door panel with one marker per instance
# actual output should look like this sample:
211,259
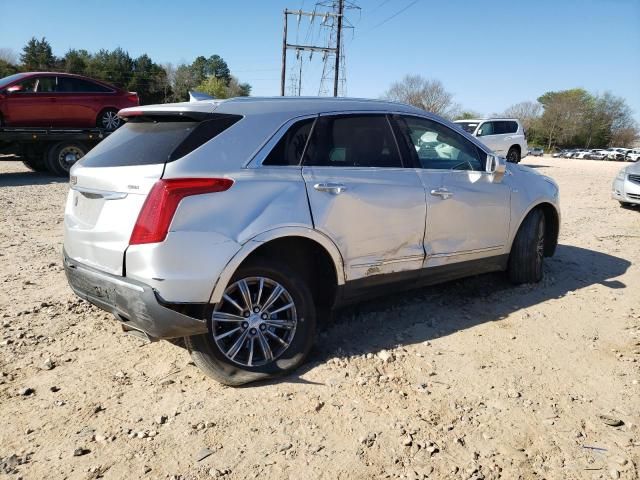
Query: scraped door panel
377,218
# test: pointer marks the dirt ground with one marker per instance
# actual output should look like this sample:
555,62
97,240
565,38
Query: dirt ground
473,379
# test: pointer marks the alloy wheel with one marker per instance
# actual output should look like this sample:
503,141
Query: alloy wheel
110,120
255,322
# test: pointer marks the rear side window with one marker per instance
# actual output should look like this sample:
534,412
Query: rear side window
289,150
505,127
77,85
148,142
353,141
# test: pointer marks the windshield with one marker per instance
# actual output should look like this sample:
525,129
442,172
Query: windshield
11,78
468,127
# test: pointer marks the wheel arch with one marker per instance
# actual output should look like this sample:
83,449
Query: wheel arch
552,225
302,247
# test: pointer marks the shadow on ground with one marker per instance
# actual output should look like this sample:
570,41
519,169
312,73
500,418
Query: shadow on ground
536,166
21,179
432,312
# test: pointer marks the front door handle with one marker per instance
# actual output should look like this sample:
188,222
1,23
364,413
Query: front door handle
335,188
442,193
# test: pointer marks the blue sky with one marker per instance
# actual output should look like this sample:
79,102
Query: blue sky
489,54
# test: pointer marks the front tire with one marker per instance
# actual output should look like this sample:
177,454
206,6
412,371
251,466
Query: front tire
264,326
513,155
527,252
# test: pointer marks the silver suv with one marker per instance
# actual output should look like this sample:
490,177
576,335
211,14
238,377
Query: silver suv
240,224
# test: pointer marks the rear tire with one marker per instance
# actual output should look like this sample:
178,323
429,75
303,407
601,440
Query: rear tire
108,120
527,252
237,369
513,155
62,156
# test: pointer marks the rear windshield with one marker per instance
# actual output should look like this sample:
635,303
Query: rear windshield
147,141
468,127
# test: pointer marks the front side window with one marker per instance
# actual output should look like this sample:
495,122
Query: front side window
487,128
439,147
289,149
27,86
353,141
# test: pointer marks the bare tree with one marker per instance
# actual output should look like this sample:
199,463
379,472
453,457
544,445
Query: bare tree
8,55
429,95
526,112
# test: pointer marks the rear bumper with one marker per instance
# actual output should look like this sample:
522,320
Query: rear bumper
136,305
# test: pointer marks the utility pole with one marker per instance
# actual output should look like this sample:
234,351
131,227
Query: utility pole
284,54
336,73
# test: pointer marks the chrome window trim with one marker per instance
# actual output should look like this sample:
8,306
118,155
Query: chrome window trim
255,161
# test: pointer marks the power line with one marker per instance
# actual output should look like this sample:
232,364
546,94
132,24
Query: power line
388,19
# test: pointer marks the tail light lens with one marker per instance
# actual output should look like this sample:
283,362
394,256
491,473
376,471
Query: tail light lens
160,206
134,98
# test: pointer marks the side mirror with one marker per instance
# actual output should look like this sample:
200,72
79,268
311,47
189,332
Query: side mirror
496,166
14,89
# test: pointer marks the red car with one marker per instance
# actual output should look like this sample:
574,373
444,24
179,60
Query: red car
45,99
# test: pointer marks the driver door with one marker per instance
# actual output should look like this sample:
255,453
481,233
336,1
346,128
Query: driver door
33,105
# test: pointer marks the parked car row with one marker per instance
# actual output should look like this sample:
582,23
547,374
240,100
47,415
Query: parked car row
612,153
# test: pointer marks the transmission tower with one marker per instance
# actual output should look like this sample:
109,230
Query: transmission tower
332,15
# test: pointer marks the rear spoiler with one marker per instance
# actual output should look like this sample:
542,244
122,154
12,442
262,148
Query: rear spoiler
199,96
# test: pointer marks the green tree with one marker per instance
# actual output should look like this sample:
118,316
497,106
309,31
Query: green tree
214,66
37,55
149,80
183,81
76,61
114,66
216,88
7,68
562,118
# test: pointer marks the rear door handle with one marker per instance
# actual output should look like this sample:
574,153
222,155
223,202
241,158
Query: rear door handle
335,188
442,193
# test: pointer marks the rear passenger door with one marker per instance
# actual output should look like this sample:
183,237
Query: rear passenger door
362,197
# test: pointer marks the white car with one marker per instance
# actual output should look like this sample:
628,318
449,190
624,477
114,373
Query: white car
616,153
505,136
582,154
633,155
626,186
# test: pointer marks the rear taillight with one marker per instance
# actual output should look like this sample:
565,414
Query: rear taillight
161,204
133,97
